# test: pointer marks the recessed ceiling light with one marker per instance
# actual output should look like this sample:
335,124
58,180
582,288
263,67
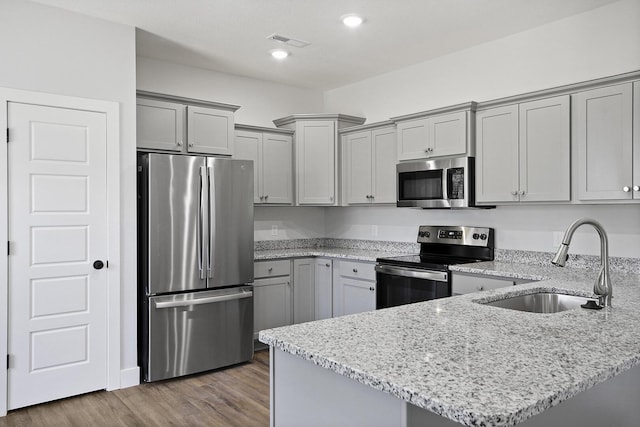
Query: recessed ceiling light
279,53
352,21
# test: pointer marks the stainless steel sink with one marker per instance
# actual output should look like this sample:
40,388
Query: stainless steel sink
541,302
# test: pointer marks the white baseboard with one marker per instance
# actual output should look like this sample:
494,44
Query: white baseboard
130,377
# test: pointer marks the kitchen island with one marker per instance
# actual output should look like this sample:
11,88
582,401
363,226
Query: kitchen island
455,360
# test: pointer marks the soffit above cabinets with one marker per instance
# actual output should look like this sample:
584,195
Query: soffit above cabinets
231,36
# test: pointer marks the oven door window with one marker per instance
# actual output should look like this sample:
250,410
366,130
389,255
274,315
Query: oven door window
394,290
420,185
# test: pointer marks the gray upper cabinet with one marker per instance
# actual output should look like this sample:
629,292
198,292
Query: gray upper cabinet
523,152
209,131
169,123
271,152
160,125
369,164
436,133
605,151
316,155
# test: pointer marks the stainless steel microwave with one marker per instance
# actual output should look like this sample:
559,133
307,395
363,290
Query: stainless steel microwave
439,183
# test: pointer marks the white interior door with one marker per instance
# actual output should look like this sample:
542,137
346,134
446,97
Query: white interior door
57,228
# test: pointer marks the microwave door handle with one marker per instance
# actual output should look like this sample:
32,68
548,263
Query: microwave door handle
445,184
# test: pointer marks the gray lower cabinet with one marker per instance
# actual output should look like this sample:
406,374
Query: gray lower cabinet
323,288
272,302
354,287
304,294
466,283
312,292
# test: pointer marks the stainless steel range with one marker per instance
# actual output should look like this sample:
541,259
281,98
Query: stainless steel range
426,276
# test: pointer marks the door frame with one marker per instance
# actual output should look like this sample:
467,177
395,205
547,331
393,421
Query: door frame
112,111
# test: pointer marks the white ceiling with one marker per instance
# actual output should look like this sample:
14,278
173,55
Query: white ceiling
231,35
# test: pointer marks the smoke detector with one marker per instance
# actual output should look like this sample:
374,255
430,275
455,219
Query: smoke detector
288,40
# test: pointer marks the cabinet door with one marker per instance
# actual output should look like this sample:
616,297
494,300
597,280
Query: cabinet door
383,187
545,166
413,138
357,296
602,148
247,147
271,303
359,167
497,155
323,288
315,162
277,172
304,305
209,131
448,134
159,125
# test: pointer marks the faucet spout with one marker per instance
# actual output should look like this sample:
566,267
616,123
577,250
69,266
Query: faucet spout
602,286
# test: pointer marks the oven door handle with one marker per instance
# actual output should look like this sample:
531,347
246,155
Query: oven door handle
438,276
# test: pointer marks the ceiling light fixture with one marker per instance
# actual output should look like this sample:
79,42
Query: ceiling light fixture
352,21
279,53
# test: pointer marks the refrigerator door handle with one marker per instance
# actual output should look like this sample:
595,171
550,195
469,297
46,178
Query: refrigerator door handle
211,230
201,229
207,300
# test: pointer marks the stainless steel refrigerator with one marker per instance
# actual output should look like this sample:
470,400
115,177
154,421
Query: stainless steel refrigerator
195,237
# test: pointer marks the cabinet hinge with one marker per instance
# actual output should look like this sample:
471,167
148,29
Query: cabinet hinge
7,135
8,247
7,361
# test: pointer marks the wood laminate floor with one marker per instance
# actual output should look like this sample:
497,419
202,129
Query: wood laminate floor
236,396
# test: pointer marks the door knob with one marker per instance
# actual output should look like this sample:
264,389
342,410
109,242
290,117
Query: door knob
98,265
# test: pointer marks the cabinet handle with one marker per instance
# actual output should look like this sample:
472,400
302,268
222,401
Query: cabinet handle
372,288
261,197
626,189
331,198
481,288
179,143
270,269
636,188
521,192
327,265
191,144
355,270
514,193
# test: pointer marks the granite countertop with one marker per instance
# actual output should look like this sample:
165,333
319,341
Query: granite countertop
476,364
346,253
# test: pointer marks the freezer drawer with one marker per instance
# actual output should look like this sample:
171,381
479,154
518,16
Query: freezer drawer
198,331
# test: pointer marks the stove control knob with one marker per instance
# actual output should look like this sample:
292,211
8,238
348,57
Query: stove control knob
476,236
483,236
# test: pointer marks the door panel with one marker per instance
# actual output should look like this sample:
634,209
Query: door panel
57,226
248,147
384,165
277,172
230,222
359,167
174,228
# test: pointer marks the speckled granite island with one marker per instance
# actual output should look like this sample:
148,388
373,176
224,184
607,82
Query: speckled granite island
455,360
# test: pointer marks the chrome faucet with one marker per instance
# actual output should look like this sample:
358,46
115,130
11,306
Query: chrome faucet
602,287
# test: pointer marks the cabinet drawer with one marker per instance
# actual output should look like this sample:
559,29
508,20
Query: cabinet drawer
466,284
271,268
357,270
